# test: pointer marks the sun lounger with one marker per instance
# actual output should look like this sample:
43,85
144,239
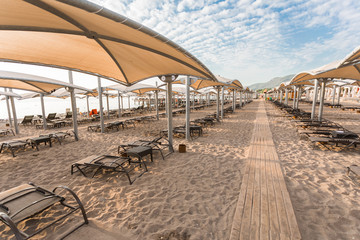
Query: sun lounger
60,136
346,140
13,146
350,107
28,200
353,172
34,142
107,162
137,151
27,120
4,132
48,125
157,144
51,116
68,115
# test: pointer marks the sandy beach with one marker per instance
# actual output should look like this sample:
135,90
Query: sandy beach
325,200
193,195
188,195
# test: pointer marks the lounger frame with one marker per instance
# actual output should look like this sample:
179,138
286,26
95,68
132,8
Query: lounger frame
7,218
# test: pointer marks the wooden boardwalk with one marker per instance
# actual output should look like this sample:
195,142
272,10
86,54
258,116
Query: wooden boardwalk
264,209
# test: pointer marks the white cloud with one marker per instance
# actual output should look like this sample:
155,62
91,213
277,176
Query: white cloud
252,40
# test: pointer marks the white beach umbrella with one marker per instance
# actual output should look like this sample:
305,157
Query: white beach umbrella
89,38
38,84
85,37
10,94
349,68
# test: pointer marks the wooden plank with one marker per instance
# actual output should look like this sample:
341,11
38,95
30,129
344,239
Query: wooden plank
265,223
244,193
255,217
284,227
273,212
293,226
236,227
264,209
248,207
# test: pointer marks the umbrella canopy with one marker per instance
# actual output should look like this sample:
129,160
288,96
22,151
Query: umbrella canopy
331,70
180,89
137,88
33,83
352,58
204,83
348,68
63,93
10,94
229,82
29,95
83,36
285,85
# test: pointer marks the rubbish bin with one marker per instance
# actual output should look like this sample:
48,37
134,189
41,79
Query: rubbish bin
182,148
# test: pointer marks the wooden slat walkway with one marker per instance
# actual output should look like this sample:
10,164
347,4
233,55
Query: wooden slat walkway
264,209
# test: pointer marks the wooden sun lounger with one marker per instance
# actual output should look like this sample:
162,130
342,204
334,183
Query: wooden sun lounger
28,200
107,162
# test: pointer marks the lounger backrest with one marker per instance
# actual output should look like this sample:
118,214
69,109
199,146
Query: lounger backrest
344,134
27,119
68,115
51,116
22,198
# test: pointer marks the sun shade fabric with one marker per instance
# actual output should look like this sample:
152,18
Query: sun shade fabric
10,94
352,58
204,83
32,83
348,68
82,36
229,82
137,88
328,71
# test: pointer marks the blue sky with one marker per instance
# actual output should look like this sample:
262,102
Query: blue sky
252,41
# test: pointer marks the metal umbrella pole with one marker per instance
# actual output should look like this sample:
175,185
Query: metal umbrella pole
316,84
222,103
107,106
339,94
187,113
233,99
14,113
73,107
101,106
43,111
119,105
157,104
294,98
322,96
87,105
217,103
8,109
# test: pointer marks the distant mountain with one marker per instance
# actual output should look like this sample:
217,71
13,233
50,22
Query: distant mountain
271,83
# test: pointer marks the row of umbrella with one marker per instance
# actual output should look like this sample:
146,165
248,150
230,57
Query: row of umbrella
85,37
337,74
